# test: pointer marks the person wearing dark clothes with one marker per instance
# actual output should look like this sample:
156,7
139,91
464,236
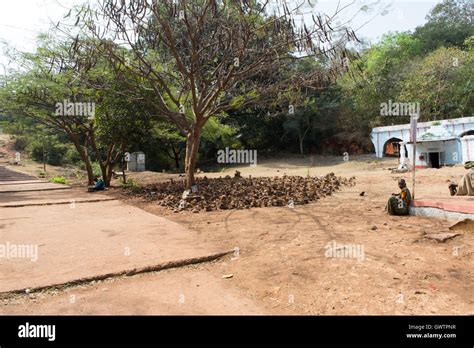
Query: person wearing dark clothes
399,203
99,185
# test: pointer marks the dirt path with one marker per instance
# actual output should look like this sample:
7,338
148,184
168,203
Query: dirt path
283,266
283,262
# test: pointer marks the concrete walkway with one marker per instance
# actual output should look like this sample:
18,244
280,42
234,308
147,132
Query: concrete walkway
12,181
65,196
7,175
58,243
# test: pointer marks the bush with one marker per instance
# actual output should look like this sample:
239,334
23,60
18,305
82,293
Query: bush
96,169
72,156
131,185
58,180
55,151
20,143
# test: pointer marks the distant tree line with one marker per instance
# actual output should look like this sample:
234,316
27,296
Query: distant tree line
180,94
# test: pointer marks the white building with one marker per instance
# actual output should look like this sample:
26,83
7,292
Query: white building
467,146
136,162
439,143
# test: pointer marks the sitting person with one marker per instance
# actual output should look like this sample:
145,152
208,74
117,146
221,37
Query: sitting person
465,187
399,203
99,185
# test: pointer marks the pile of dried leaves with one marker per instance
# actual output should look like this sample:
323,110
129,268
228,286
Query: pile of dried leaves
239,193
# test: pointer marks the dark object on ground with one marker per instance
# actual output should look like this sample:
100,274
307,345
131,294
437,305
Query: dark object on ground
362,193
241,193
453,189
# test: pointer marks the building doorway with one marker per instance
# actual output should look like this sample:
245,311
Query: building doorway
469,132
434,159
391,148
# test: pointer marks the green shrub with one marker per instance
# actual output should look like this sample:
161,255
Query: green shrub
79,175
96,169
58,180
20,143
55,151
131,184
72,156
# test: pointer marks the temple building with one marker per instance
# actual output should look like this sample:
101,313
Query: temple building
439,143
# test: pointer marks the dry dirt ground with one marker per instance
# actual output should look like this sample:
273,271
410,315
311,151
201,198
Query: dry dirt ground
282,262
281,266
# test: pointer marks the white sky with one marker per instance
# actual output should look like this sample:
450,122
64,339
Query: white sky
22,20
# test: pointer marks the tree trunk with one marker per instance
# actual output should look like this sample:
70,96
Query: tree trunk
102,164
123,166
44,159
90,172
302,137
176,157
84,156
301,145
106,169
107,164
192,147
108,175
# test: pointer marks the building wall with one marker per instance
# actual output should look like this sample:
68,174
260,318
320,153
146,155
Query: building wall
380,138
453,152
467,145
450,152
381,135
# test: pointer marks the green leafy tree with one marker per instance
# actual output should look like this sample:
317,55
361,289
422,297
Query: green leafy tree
376,78
448,24
55,75
442,83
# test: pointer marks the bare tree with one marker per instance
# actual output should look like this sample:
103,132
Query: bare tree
202,58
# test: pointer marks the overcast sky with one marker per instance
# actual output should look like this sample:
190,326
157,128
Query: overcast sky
22,20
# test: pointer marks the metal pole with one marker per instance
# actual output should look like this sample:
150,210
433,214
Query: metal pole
415,128
413,174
